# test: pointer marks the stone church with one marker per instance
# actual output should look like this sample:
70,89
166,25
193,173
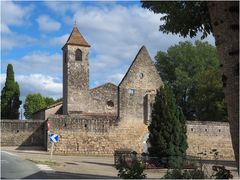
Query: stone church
100,120
131,100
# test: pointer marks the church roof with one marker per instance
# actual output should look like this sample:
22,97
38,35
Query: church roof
76,38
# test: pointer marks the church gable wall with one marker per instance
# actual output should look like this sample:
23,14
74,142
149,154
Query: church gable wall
104,99
141,79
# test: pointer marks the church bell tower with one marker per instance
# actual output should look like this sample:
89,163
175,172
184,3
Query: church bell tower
75,71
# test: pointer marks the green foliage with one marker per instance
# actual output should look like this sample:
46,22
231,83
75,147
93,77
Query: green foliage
36,102
49,101
221,173
192,72
10,102
134,170
186,174
59,100
183,17
33,103
167,130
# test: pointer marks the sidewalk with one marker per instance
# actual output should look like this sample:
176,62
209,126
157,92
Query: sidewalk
87,165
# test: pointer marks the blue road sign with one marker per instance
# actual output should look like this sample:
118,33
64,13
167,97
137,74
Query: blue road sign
53,137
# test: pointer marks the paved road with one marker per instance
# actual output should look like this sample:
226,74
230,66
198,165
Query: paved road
13,167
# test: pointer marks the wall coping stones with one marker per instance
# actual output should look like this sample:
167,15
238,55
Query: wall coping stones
207,123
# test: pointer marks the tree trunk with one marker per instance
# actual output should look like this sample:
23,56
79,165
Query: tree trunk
225,23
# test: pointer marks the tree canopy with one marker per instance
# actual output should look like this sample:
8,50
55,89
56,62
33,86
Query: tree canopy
36,102
192,72
182,17
222,19
10,102
167,131
33,103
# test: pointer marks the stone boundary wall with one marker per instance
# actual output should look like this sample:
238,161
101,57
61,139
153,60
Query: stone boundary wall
23,133
95,135
97,123
101,135
205,137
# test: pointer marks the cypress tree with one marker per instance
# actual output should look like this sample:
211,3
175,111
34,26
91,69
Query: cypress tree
10,102
167,131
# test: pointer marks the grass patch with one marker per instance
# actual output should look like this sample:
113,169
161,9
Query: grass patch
47,162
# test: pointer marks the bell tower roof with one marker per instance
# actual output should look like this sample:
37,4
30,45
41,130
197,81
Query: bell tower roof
76,38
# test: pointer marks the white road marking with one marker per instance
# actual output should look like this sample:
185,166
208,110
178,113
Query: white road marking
9,153
44,167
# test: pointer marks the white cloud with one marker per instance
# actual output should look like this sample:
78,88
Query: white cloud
116,33
15,40
36,63
115,78
14,14
45,85
37,83
46,24
61,7
59,41
5,29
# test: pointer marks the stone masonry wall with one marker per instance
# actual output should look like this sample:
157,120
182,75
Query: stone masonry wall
104,99
82,136
75,79
203,137
23,133
142,78
100,135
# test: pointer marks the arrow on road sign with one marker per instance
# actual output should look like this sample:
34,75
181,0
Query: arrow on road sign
53,137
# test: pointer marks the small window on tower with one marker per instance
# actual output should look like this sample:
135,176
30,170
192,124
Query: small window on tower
78,55
131,92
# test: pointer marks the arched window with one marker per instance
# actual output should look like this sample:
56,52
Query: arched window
78,55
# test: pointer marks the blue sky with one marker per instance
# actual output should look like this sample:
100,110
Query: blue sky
33,33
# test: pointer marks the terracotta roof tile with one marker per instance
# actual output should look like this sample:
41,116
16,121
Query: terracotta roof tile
76,38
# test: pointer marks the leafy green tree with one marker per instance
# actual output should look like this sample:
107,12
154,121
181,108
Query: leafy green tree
49,101
33,103
222,19
59,100
182,17
167,131
209,97
192,72
36,102
10,102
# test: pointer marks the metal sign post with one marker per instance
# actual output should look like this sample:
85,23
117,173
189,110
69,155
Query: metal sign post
53,139
52,150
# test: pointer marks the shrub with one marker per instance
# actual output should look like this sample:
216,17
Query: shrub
132,170
222,173
186,174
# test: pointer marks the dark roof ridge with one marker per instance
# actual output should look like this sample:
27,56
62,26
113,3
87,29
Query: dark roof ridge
50,106
103,85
